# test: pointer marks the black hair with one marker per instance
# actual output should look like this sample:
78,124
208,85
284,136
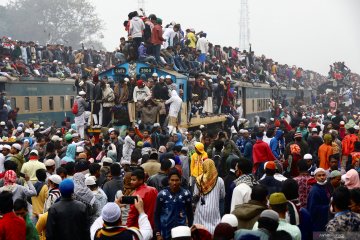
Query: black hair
61,170
106,138
177,148
245,165
233,163
41,174
302,165
351,130
270,132
270,224
341,198
165,164
218,145
81,165
144,158
139,174
290,188
279,208
281,235
115,169
10,165
93,168
270,172
355,195
259,193
116,132
174,171
7,204
50,147
70,168
20,204
259,134
152,17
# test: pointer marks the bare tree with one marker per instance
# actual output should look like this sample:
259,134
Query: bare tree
69,22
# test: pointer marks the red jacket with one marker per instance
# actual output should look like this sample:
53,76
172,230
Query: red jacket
261,153
148,195
156,35
348,144
12,227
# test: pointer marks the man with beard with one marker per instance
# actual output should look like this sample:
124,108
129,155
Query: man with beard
318,201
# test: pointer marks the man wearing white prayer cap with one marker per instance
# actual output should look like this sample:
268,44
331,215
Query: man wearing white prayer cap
319,201
108,225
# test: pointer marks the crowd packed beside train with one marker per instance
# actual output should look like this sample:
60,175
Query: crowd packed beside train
288,176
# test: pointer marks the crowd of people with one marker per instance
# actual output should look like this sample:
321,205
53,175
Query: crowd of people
284,178
292,176
169,46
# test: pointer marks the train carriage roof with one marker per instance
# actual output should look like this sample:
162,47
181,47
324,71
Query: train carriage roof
139,68
24,80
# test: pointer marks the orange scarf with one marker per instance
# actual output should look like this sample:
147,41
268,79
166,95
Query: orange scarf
207,180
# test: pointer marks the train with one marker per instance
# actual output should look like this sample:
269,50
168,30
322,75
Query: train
40,99
51,99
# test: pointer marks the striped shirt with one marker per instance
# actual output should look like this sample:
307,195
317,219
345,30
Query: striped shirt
208,214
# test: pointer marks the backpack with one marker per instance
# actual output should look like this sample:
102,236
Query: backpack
75,108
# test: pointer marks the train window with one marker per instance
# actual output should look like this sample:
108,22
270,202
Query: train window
71,101
62,102
51,103
13,103
39,103
27,104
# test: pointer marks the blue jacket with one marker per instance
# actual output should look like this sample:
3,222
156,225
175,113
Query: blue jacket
277,143
248,147
318,207
172,210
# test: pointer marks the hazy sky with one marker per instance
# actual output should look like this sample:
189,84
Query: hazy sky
307,33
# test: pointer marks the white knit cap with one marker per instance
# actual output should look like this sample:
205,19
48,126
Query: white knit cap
111,212
55,179
180,231
17,146
230,219
307,156
89,181
319,170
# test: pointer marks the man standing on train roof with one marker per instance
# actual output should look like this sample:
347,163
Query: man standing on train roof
80,116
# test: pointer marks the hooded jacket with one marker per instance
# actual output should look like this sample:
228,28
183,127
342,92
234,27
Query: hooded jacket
82,105
179,141
277,143
136,27
248,213
70,153
175,104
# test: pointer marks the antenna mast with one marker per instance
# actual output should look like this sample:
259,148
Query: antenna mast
244,36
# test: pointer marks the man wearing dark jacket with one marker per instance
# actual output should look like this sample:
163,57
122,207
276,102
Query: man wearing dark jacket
248,213
116,183
269,181
67,218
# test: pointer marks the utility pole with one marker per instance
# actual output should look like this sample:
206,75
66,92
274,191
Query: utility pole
244,36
